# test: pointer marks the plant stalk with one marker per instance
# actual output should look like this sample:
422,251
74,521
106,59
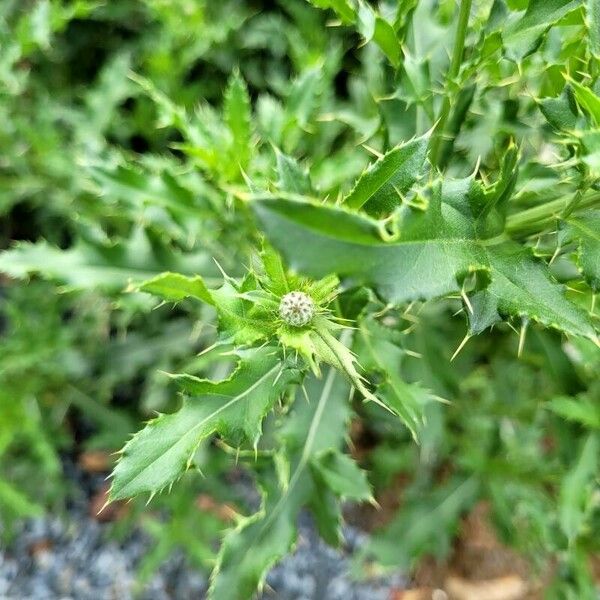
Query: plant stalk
533,219
456,61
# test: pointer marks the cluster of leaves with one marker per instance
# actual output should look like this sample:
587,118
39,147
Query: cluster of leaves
479,213
81,365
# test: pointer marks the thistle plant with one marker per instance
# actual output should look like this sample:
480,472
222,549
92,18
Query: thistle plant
411,243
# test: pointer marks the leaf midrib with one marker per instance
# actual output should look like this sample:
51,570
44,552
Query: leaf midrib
186,435
306,450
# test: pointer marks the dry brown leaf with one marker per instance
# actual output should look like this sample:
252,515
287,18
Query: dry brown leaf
95,461
207,503
510,587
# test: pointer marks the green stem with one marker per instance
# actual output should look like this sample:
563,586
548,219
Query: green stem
533,220
456,61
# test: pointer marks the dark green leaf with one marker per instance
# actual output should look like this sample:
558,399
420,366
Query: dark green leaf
380,188
435,248
584,230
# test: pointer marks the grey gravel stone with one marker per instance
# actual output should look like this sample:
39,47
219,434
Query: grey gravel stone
81,562
315,571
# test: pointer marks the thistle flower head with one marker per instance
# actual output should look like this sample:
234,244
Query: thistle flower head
297,309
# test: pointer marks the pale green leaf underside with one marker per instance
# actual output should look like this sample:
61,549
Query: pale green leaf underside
88,266
175,287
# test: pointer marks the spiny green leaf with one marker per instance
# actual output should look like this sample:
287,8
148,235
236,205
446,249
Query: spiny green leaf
292,178
237,113
342,475
593,25
580,409
434,250
85,266
483,313
175,287
323,291
132,185
522,286
584,230
262,539
343,8
380,187
234,408
277,280
586,98
372,26
380,350
327,348
561,112
524,36
245,314
576,488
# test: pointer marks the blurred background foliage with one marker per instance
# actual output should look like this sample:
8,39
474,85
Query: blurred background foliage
125,152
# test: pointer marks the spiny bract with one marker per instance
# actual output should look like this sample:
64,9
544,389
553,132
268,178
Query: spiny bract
297,309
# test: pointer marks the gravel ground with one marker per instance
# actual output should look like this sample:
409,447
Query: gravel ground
76,560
